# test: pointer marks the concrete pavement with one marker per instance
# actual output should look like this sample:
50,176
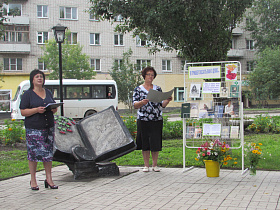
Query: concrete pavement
133,189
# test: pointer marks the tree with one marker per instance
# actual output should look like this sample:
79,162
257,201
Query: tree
127,78
264,23
75,64
200,30
264,80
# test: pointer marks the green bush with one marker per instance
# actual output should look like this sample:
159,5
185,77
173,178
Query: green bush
12,132
265,124
171,130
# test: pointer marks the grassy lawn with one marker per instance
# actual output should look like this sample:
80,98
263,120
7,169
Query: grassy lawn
14,163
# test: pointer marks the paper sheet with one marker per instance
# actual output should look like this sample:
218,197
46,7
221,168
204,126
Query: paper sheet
53,105
157,96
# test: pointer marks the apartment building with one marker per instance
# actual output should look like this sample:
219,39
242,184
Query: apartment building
27,32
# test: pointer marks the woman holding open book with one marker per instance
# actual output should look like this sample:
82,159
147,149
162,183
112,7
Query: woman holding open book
149,119
39,127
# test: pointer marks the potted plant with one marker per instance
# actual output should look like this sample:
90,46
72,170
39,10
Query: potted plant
214,153
253,155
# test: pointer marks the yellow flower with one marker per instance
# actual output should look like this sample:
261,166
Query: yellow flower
235,163
131,116
13,119
225,163
260,144
235,159
10,129
196,159
259,153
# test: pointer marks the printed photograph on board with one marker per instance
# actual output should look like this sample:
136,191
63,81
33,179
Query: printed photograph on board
224,92
231,71
195,90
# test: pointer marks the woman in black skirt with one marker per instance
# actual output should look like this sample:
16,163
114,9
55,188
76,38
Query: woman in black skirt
149,119
39,125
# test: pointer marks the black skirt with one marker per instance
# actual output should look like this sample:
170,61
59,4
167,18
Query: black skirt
149,135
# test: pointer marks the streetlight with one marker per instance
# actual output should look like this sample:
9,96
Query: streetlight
59,34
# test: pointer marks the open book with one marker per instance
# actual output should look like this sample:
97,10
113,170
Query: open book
51,106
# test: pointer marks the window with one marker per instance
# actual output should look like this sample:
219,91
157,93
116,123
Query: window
41,65
94,39
118,39
15,33
93,17
179,94
42,11
42,37
183,65
166,65
118,62
12,64
118,18
12,9
249,44
140,42
72,38
250,66
95,64
142,64
69,13
5,97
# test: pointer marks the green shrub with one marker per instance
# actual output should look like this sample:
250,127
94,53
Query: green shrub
171,130
265,124
12,132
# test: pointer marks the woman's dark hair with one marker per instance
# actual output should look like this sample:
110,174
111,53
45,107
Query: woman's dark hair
32,75
148,68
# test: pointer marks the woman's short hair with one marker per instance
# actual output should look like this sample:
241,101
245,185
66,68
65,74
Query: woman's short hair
32,75
148,68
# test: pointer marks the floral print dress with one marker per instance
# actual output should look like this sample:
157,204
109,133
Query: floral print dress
151,111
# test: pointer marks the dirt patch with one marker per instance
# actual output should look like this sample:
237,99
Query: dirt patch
17,146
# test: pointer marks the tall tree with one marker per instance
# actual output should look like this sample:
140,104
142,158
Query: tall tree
264,23
264,80
75,64
127,78
200,29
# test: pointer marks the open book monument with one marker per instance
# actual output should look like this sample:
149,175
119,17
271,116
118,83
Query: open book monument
87,146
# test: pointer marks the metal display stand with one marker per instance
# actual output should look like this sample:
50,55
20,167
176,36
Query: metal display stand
213,107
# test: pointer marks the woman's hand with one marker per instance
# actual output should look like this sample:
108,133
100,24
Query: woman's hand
166,102
41,109
141,103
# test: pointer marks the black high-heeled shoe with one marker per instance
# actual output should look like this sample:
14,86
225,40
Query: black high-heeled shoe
51,186
34,188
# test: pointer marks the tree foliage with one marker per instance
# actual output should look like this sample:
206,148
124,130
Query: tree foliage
264,23
264,80
199,29
127,78
75,64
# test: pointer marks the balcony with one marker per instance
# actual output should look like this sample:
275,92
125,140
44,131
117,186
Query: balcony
235,53
16,20
237,31
22,48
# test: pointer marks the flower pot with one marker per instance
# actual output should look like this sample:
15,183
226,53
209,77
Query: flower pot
212,168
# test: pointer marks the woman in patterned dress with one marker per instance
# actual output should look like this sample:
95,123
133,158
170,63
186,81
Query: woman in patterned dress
39,125
149,119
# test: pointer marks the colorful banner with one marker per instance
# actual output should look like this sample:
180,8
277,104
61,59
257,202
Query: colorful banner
204,72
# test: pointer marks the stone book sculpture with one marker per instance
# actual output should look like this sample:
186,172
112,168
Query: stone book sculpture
88,145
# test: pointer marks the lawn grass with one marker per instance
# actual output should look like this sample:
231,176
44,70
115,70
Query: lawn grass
14,163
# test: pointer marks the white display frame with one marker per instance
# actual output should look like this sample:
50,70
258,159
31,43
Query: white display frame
232,90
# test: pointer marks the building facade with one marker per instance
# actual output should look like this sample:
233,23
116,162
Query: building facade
28,31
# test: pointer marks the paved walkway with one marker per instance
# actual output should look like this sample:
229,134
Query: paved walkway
133,189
